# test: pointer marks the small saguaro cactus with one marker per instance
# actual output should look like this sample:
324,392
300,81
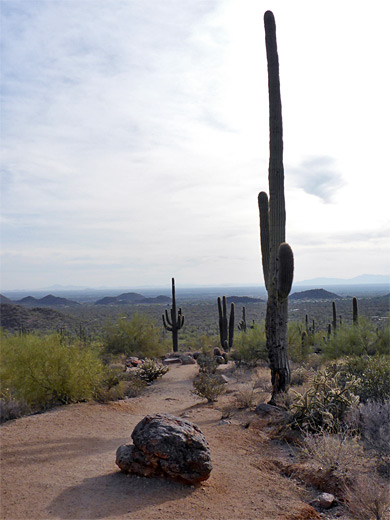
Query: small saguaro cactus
277,256
175,322
334,320
242,323
226,332
355,313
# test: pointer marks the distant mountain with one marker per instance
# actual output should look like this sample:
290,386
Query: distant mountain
131,299
242,299
4,299
14,318
314,294
49,300
361,279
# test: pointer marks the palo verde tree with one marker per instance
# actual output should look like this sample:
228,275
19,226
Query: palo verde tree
175,322
277,256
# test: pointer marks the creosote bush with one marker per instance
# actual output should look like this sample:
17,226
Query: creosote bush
208,386
44,370
250,347
374,375
135,337
358,340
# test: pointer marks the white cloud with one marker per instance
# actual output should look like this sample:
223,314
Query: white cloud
135,137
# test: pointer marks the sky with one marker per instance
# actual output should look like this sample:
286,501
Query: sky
134,138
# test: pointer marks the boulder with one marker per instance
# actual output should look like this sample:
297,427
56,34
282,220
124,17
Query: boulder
172,361
166,446
187,359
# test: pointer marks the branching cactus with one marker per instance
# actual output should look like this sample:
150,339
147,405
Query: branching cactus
277,256
226,333
175,322
242,324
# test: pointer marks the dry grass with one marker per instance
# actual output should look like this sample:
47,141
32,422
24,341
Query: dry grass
368,499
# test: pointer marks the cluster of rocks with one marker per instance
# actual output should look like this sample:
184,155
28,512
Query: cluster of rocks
190,358
166,446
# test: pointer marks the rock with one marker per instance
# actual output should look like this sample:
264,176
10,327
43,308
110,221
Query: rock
217,352
172,361
166,446
326,500
187,359
220,360
133,361
264,409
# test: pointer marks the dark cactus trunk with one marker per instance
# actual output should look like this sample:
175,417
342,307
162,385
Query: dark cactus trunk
175,322
226,332
278,265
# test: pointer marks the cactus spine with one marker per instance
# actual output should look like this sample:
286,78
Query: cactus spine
226,333
175,322
277,256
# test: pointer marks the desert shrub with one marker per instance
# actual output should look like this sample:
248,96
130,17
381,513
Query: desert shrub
11,408
355,340
245,395
208,386
150,370
250,347
368,499
332,451
207,362
298,350
374,375
322,406
375,430
135,337
43,370
300,375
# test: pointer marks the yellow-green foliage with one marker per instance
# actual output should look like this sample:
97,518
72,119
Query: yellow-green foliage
250,347
357,340
135,337
43,370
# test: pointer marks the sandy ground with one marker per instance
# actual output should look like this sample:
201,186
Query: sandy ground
61,464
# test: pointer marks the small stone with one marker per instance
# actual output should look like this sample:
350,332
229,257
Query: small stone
326,500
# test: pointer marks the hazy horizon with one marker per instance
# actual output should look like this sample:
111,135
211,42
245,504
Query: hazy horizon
135,140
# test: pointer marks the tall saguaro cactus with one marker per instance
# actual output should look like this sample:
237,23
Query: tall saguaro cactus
226,333
277,256
175,322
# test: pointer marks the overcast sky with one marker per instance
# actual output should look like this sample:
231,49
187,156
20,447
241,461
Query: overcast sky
135,139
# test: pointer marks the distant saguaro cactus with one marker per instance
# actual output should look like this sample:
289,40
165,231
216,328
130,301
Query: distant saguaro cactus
226,333
242,323
175,322
334,314
277,255
355,313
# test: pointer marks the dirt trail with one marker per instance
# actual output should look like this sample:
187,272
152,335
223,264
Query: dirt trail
61,465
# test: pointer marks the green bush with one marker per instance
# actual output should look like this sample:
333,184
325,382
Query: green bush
208,386
250,347
43,370
357,340
323,405
135,337
374,375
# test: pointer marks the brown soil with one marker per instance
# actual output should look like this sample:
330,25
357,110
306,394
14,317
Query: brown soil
61,464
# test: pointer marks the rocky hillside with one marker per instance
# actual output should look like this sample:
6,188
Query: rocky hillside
14,318
132,298
46,301
314,294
